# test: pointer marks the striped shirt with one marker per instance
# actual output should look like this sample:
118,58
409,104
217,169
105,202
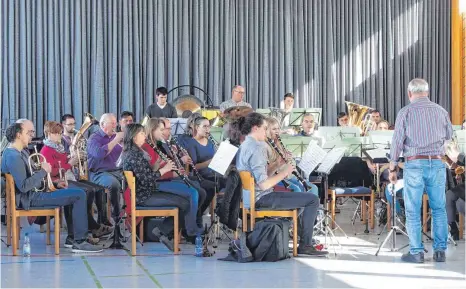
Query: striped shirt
421,128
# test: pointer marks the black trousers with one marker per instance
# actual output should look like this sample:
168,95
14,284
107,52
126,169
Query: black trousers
91,190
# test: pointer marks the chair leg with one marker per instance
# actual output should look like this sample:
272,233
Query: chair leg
389,216
213,204
363,210
371,212
461,226
48,229
18,228
57,231
253,220
8,223
295,233
14,227
141,231
245,220
333,208
133,234
176,232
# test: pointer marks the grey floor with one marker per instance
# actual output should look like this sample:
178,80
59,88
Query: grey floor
354,266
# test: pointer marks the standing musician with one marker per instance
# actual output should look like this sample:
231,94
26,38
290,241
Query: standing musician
16,161
182,186
252,157
161,108
421,130
237,96
103,150
56,156
276,162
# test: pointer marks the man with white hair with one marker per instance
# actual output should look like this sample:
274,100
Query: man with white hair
421,130
103,152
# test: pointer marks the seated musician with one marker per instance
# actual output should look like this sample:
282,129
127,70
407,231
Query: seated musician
56,156
161,108
252,157
126,117
383,125
206,188
343,119
15,161
154,129
103,150
150,191
69,128
237,95
185,138
276,162
201,149
287,105
455,197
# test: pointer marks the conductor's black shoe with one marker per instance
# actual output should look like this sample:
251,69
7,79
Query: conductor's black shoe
410,258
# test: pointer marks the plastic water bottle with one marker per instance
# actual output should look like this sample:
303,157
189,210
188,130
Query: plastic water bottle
26,246
198,250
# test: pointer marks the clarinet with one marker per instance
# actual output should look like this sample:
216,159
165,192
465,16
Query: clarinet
178,164
174,141
295,173
214,142
166,159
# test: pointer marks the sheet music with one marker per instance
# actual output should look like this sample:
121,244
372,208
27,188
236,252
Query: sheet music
311,158
398,186
378,153
331,159
223,157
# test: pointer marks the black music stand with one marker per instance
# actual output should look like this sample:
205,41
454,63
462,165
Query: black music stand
178,126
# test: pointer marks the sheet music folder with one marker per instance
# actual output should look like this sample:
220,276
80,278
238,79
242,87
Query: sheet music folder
378,155
315,155
223,157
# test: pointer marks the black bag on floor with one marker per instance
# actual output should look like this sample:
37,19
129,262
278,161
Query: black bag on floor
270,240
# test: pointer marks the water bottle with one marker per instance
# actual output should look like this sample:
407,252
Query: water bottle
26,246
198,250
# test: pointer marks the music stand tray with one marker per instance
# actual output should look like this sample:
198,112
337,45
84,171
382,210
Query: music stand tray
178,125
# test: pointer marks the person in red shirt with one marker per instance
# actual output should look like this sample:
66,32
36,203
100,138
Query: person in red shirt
62,175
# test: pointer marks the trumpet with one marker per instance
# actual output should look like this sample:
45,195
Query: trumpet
62,174
35,161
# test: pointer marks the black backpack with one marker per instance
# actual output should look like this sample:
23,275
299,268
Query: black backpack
270,240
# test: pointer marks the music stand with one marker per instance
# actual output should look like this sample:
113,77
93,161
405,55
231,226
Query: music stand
355,145
460,137
296,115
331,159
178,125
297,145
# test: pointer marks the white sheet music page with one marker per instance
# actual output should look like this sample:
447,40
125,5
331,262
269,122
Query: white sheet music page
331,159
311,158
377,153
223,157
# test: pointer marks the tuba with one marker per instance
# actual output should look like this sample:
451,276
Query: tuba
79,146
35,161
358,115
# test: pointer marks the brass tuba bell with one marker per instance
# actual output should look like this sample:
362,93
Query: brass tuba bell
358,115
79,146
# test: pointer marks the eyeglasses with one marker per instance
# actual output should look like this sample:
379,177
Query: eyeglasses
70,124
31,132
240,92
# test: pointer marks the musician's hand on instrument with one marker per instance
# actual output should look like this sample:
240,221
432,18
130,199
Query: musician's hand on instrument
169,166
182,171
288,169
119,136
73,161
187,160
393,177
47,167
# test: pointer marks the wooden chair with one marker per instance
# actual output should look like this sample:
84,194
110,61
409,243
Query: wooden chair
148,212
13,215
248,184
356,192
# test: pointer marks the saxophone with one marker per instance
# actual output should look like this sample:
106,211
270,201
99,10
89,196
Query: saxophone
79,147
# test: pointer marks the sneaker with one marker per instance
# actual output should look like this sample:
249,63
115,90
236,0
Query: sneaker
69,242
85,247
416,258
91,240
102,231
310,250
439,256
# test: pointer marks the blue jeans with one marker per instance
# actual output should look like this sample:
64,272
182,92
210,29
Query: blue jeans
188,193
428,176
296,186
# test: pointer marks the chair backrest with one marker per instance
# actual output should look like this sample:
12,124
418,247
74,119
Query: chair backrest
131,180
10,190
248,183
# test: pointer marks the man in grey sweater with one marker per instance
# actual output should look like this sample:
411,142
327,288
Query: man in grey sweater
161,108
15,161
